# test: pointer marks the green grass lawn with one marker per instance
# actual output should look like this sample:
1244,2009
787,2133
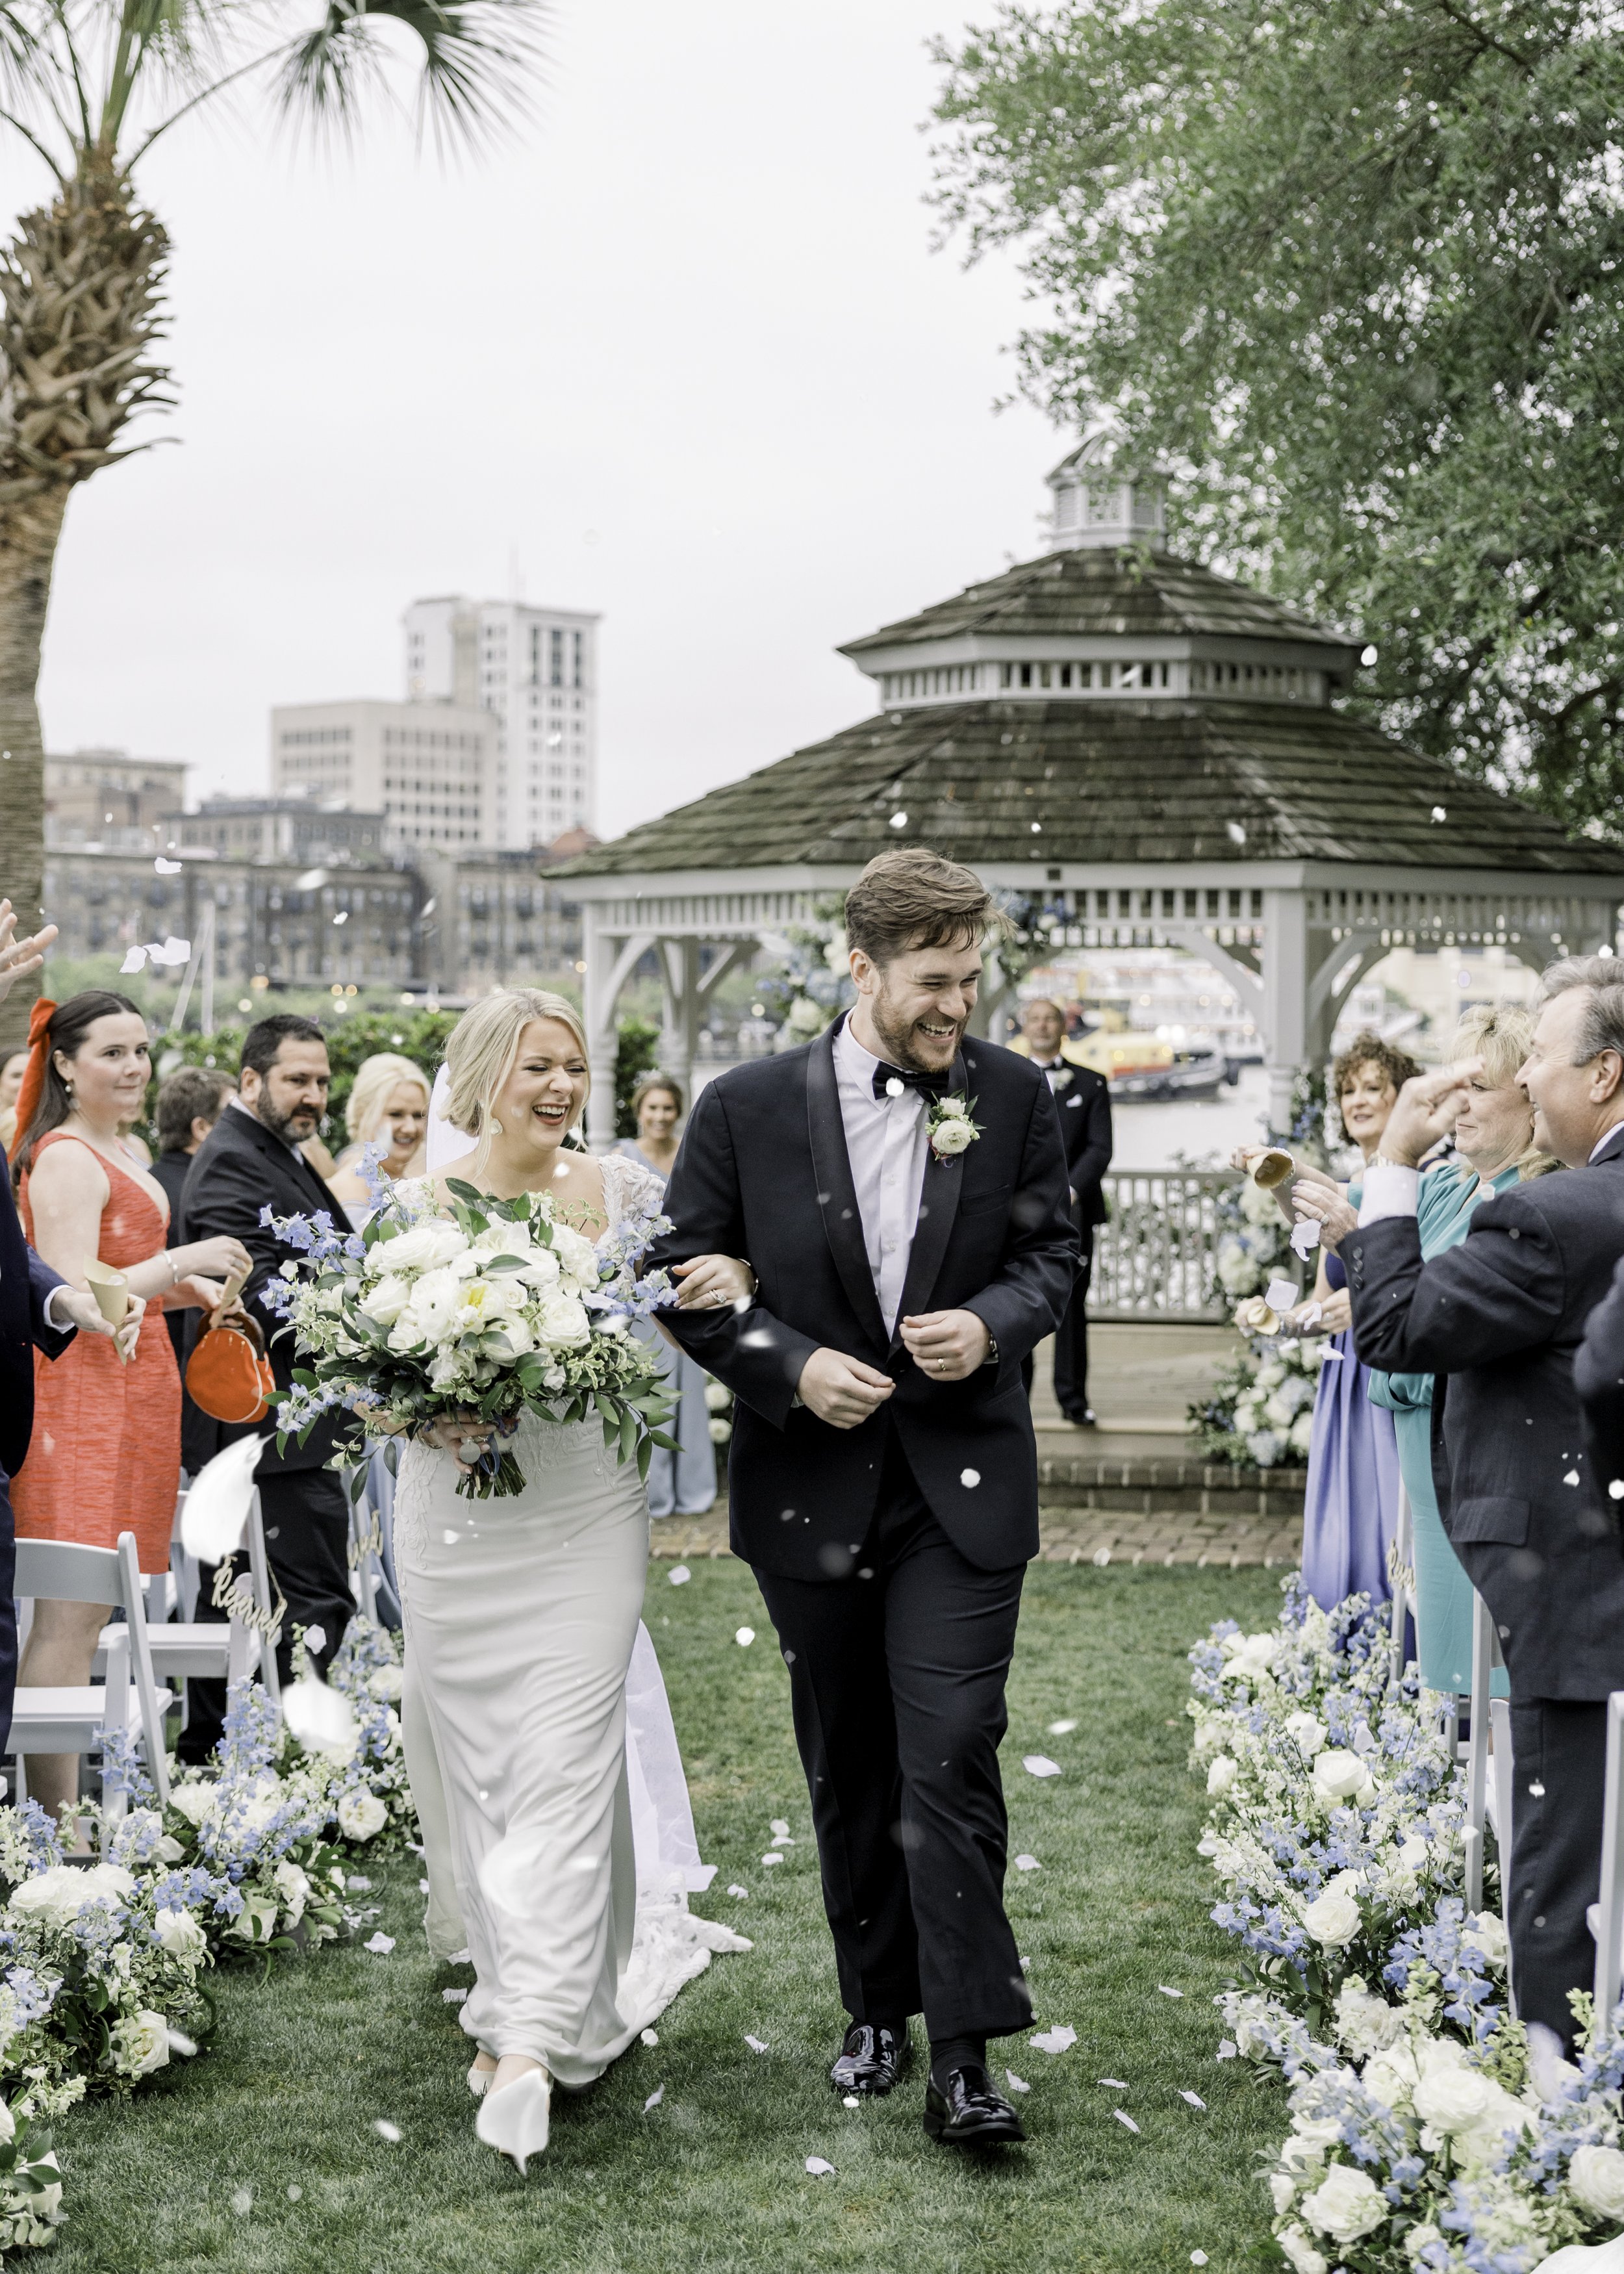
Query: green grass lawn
281,2105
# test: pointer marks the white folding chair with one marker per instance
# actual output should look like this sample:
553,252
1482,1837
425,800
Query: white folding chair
1402,1579
65,1719
1477,1750
1500,1722
1610,1911
207,1648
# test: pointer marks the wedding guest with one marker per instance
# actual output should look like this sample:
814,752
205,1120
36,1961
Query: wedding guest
11,1083
38,1311
1499,1320
1599,1377
189,1105
682,1483
252,1160
389,1106
1351,1509
1083,1099
105,1457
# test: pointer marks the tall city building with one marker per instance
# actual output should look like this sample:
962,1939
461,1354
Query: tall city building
535,672
429,766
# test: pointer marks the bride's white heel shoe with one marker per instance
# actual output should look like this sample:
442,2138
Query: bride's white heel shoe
480,2080
514,2120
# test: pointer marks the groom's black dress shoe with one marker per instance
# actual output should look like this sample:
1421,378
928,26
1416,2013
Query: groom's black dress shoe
872,2059
965,2112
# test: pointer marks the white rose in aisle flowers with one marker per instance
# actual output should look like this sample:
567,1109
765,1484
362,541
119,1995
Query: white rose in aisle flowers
386,1684
1468,2108
61,1894
1333,1919
1302,2252
1307,1733
192,1800
1221,1775
8,2124
1250,1655
180,1934
1346,2204
361,1814
562,1322
1422,2237
1414,1852
1284,2192
1340,1777
1485,1931
1365,2024
140,2044
1597,2177
293,1886
1393,2075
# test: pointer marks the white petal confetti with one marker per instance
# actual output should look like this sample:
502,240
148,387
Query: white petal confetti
1117,2083
678,1574
1167,1992
1197,2258
356,1880
770,1860
1281,1294
135,960
1616,1490
1027,1863
455,1997
1061,1729
242,2202
894,1088
423,1887
382,1944
1017,2083
294,2192
650,2037
1195,2098
969,1479
1305,1239
819,2168
316,1639
1128,2121
385,2129
1227,2050
742,1893
780,1827
179,2042
654,2099
755,2043
451,1538
745,1636
1038,1765
850,2100
1055,2040
1572,1477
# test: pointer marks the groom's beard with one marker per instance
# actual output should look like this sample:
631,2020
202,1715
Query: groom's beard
905,1046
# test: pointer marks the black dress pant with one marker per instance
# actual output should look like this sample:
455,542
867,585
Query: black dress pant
1072,1336
896,1676
306,1520
1560,1757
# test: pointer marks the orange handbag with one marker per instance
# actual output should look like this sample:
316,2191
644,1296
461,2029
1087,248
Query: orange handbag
228,1374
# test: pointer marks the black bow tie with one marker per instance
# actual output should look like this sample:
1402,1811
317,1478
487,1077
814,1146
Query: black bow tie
930,1085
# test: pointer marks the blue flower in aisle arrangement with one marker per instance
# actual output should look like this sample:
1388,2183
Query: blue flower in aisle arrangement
1417,2139
494,1308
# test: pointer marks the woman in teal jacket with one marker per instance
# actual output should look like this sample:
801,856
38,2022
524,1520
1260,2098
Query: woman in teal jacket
1494,1139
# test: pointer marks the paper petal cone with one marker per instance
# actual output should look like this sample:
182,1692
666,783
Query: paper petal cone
1271,1168
111,1291
216,1509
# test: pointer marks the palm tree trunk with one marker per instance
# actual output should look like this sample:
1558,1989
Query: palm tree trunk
28,535
81,287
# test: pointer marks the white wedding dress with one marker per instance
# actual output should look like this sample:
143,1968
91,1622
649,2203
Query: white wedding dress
557,1832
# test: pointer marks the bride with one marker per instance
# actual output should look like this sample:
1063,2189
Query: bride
520,1615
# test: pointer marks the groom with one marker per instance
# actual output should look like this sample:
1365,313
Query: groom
884,1474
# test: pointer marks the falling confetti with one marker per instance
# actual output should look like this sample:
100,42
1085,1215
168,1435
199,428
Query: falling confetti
385,2129
1128,2121
679,1575
1305,1239
900,821
1167,1992
1237,831
363,1886
1572,1477
1440,813
969,1479
382,1944
451,1538
1058,2040
1061,1729
650,2037
135,960
894,1088
654,2099
745,1636
755,2043
166,868
1195,2098
1038,1765
1017,2083
180,2042
1027,1863
1537,1791
819,2168
294,2192
1616,1490
1280,1294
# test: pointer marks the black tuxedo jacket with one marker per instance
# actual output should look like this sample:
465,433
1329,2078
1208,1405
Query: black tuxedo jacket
25,1284
236,1171
764,1172
1083,1101
1599,1377
1498,1320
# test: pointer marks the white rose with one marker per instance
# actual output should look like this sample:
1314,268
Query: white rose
1208,1735
1340,1776
1392,2076
435,1300
385,1300
1365,2024
1306,1732
562,1322
293,1886
1221,1774
1302,2252
1485,1932
140,2044
1333,1919
60,1895
1422,2237
576,1255
1469,2108
950,1137
406,1332
256,1922
1414,1852
1284,2192
1597,2177
180,1934
193,1800
541,1269
1346,2204
434,1241
361,1814
387,1683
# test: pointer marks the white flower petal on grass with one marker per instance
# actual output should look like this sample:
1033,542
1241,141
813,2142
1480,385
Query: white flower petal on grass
780,1827
1055,2040
654,2099
1017,2083
1167,1992
742,1893
1227,2050
1197,2258
242,2201
455,1997
1128,2121
650,2037
382,1944
770,1860
179,2042
294,2192
820,2168
755,2043
850,2100
1195,2098
385,2129
745,1636
679,1576
1061,1729
1027,1863
1038,1765
1117,2083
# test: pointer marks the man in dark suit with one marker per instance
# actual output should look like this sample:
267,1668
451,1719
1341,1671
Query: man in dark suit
250,1162
1083,1099
189,1105
883,1476
1599,1377
38,1311
1498,1320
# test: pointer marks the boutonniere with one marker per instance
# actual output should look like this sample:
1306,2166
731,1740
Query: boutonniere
1063,1078
952,1126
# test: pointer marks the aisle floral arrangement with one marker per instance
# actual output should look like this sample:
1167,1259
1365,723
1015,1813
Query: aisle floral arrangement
1417,2138
104,1963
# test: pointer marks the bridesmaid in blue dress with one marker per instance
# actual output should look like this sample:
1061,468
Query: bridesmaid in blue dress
682,1483
1351,1513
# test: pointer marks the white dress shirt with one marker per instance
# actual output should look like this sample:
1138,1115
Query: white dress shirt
887,1142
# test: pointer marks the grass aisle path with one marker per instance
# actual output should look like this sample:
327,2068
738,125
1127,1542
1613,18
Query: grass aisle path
282,2104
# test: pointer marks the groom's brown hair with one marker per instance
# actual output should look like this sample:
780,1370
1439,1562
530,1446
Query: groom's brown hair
912,898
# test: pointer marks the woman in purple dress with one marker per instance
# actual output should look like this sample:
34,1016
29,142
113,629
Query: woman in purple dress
1351,1510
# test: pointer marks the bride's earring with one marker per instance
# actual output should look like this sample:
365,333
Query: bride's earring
495,1127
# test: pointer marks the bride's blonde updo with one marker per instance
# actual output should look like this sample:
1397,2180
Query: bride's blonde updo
484,1047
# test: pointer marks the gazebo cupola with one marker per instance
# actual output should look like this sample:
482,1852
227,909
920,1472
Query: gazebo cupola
1098,503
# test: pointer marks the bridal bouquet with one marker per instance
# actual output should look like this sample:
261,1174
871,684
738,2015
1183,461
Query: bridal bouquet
496,1309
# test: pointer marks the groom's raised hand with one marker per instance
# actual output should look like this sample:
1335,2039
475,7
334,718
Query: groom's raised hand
842,1391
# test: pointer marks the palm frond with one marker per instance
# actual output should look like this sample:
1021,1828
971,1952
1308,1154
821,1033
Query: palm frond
476,57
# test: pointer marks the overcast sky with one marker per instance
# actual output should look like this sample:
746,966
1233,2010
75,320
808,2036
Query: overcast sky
683,354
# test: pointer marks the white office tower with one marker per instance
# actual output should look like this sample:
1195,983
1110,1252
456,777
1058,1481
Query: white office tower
536,669
431,768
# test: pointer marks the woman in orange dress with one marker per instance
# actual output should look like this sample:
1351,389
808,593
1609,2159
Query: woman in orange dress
105,1454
